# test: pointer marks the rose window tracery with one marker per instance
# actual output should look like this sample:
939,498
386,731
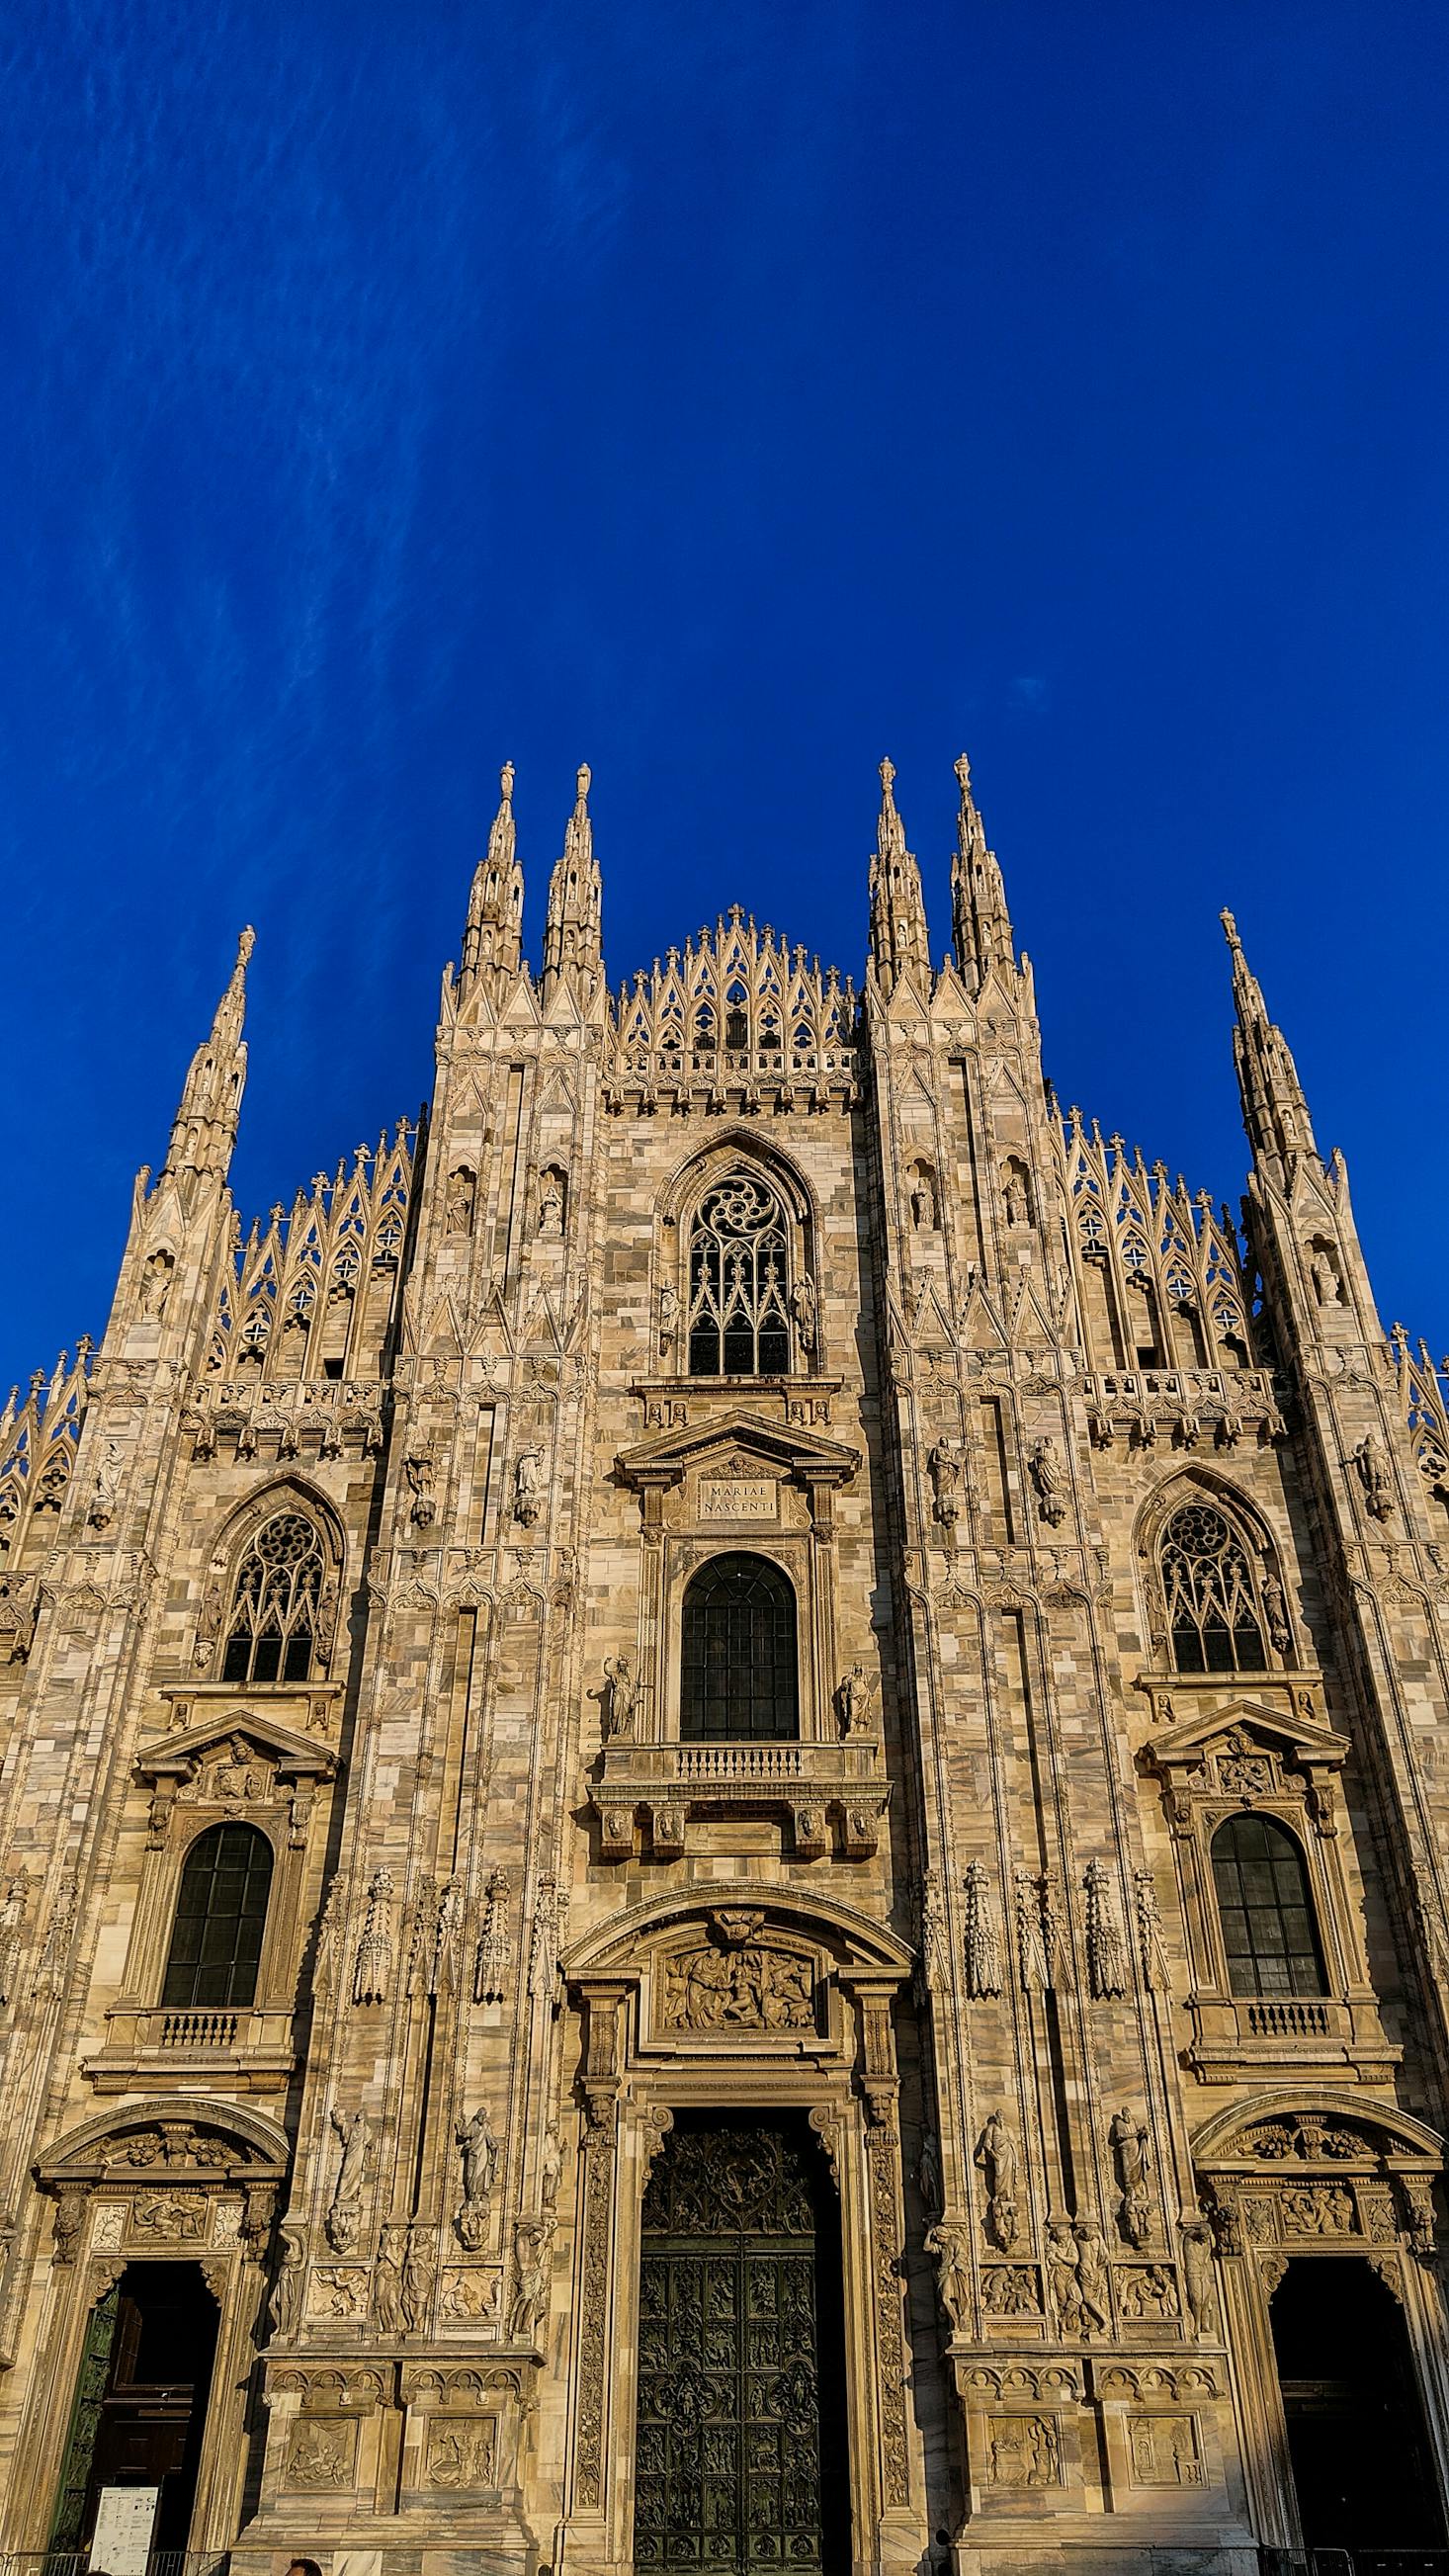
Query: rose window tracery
739,1282
273,1628
1210,1594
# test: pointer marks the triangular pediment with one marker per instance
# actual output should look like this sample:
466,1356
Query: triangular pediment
1298,1739
291,1754
671,1454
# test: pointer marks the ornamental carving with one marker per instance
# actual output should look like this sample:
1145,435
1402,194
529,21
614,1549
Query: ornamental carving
1025,2451
751,1987
462,2455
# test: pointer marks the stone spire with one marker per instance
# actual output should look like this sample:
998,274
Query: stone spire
493,935
899,944
571,935
980,922
1275,1112
203,1131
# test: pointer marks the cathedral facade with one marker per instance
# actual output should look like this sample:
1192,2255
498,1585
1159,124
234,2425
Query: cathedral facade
725,1812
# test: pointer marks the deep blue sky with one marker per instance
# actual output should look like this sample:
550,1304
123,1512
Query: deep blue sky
723,396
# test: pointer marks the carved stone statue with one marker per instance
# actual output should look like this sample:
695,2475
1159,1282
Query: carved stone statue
1127,2138
923,1200
551,1203
156,1286
387,2300
853,1696
803,1307
1093,2280
1275,1612
528,1485
1063,2283
1198,2275
668,1314
478,2149
420,1469
928,2172
285,2306
1374,1478
618,1700
944,1463
1049,1478
417,2278
953,2274
532,2265
997,2159
344,2215
462,1190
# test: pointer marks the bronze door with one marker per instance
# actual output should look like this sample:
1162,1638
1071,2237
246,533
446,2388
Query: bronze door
734,2387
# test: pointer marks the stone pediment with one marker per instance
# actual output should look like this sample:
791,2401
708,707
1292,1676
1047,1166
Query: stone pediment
286,1755
203,2141
1299,1741
787,1448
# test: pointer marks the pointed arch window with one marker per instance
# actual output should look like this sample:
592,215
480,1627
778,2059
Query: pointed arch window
221,1915
1265,1909
272,1632
1213,1615
739,1281
738,1674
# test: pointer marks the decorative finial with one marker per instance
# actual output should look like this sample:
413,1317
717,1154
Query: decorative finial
585,778
245,945
505,781
1230,929
887,780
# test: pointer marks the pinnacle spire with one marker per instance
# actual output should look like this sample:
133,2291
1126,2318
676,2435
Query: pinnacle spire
1275,1112
203,1131
980,922
493,935
572,933
899,942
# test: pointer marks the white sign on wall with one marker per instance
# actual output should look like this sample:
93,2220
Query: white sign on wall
125,2520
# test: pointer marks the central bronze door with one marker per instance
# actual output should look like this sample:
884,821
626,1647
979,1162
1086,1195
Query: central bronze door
740,2378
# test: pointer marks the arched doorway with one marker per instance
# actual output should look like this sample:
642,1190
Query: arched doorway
1357,2443
141,2400
741,2430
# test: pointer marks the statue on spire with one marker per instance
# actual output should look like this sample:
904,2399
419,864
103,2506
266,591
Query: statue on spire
493,934
980,922
899,942
203,1131
572,935
1275,1112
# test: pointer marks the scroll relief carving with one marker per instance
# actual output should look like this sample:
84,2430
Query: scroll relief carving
736,1981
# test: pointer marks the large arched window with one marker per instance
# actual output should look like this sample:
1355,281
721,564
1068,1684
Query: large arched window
1265,1909
221,1914
1213,1615
272,1631
738,1674
739,1281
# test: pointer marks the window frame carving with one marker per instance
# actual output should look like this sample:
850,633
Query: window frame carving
1265,1561
739,1154
225,1824
234,1767
1246,1757
218,1614
730,1551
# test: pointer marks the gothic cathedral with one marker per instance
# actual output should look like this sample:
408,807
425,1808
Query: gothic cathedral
726,1813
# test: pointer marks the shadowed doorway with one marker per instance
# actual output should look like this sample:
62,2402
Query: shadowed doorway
1357,2441
141,2400
741,2451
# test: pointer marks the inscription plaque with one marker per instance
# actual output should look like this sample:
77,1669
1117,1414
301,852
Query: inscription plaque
738,1498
